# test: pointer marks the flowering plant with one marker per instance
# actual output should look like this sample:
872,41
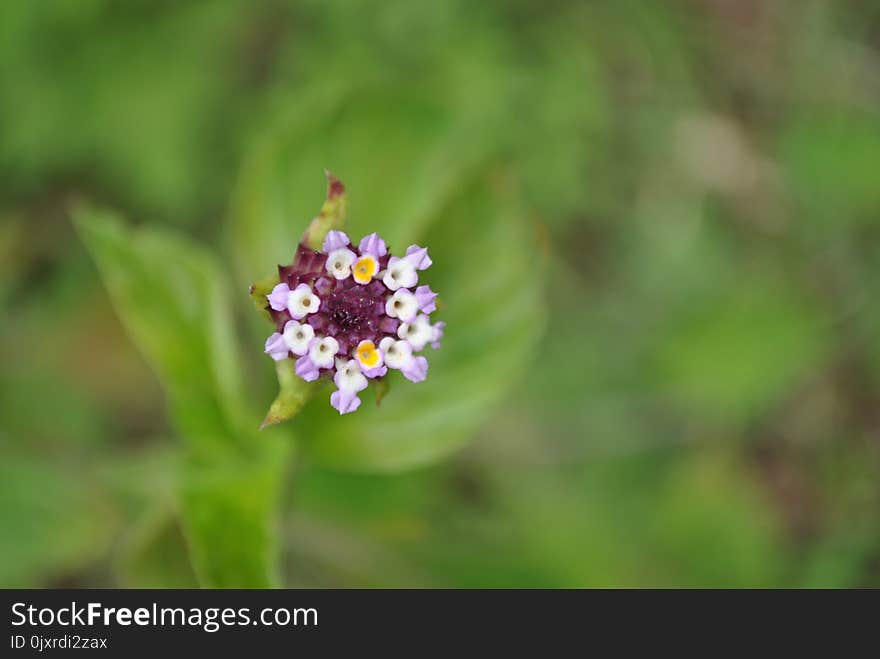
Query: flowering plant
171,293
351,313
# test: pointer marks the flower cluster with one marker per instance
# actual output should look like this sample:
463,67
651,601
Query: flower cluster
353,313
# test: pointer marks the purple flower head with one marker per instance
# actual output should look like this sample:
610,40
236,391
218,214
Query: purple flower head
353,314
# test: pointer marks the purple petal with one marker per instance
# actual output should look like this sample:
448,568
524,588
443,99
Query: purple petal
417,370
374,245
323,285
345,401
343,343
306,369
377,288
375,372
334,240
418,256
388,325
276,348
438,334
278,297
425,297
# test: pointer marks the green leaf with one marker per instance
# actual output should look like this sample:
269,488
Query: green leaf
230,518
170,294
295,392
154,555
259,290
413,175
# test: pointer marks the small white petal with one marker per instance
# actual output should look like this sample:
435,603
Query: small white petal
403,305
398,354
323,351
350,378
301,302
339,263
298,336
418,333
400,274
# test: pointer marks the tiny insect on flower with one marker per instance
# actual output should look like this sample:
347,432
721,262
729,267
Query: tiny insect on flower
352,313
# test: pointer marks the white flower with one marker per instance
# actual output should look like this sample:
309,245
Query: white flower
401,273
301,301
322,351
339,263
349,376
403,305
418,333
398,354
298,336
350,381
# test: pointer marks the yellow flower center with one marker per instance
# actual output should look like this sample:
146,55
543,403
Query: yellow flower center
367,354
364,269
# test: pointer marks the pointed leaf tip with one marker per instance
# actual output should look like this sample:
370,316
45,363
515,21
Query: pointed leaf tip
334,185
331,216
293,394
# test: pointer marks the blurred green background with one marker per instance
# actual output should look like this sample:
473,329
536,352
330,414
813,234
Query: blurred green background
656,233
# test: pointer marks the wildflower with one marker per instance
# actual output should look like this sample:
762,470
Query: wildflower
352,313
